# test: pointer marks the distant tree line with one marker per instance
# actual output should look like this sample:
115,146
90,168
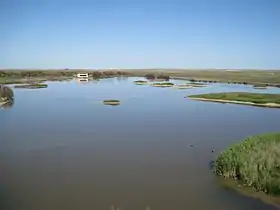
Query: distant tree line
58,73
153,77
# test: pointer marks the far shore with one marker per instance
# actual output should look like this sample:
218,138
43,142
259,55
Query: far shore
263,78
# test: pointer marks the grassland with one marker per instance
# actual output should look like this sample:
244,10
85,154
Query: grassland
254,162
254,77
256,99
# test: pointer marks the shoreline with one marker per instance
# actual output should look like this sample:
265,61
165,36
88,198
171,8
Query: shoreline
269,105
236,167
246,77
242,190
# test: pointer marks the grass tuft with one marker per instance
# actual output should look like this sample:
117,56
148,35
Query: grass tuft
255,162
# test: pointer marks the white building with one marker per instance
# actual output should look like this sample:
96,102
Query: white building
82,75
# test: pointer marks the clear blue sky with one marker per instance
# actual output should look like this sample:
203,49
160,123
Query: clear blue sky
140,34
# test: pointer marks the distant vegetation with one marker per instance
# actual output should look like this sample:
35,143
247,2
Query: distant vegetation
255,162
24,76
163,77
257,98
157,77
150,76
32,86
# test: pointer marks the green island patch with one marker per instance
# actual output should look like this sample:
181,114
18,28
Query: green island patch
111,102
254,163
140,82
162,84
31,86
246,98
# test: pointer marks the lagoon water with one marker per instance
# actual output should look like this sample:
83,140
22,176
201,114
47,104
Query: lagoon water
61,149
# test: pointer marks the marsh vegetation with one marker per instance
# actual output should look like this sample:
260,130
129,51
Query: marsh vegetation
140,82
254,162
258,99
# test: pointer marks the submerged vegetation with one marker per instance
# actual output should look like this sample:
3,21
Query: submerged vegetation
258,99
111,102
255,162
32,86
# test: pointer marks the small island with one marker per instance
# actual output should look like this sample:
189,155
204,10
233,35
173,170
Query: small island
183,86
140,82
162,84
253,99
112,102
254,163
32,86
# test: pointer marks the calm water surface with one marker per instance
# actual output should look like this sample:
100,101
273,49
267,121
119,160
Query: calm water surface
61,149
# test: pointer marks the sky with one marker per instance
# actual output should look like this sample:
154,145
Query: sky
140,34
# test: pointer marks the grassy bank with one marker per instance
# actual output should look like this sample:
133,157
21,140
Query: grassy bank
258,99
255,162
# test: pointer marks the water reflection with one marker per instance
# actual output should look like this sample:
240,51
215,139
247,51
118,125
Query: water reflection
82,80
8,105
